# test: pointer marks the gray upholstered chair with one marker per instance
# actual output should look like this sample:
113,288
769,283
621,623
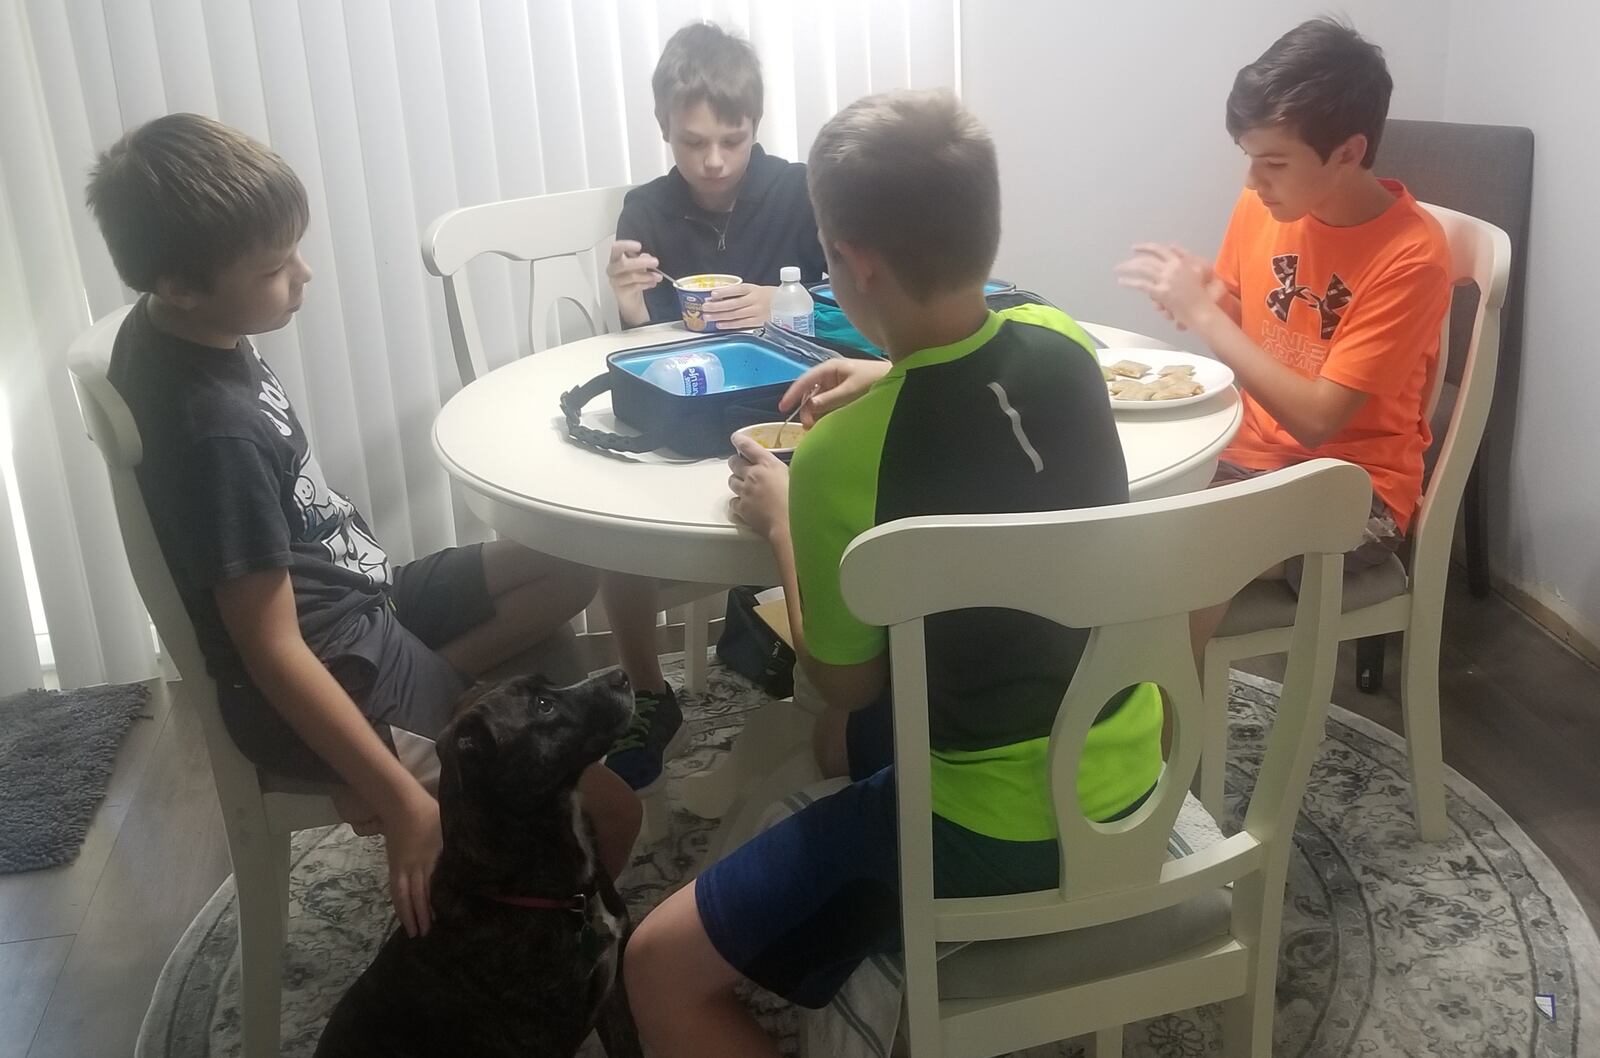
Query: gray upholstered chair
1484,171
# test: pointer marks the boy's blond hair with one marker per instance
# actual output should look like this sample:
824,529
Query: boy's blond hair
183,197
911,175
703,61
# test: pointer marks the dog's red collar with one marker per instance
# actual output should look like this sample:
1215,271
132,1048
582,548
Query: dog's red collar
578,903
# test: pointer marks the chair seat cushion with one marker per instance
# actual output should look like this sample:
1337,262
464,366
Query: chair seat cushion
1270,603
1060,960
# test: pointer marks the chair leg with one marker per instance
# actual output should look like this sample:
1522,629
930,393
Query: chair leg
280,871
1369,663
1107,1043
260,873
1214,736
1419,706
696,633
1247,1026
655,824
1477,527
1258,922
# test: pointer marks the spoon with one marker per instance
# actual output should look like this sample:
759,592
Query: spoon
797,409
664,275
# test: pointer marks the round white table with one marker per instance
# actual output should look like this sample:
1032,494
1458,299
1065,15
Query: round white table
504,439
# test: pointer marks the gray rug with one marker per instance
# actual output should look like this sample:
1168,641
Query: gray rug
57,749
1474,947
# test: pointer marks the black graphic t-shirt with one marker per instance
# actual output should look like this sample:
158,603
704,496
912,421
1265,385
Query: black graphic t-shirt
233,488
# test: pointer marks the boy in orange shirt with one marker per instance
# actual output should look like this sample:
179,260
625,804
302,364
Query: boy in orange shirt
1329,290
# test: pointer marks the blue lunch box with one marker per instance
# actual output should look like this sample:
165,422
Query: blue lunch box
757,368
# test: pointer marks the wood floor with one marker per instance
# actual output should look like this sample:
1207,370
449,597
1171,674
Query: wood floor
81,945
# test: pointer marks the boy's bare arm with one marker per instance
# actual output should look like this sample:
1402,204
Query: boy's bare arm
847,687
1312,409
1183,286
259,613
760,485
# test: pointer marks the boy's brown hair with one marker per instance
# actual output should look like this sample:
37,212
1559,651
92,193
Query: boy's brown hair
1323,80
913,176
183,197
703,61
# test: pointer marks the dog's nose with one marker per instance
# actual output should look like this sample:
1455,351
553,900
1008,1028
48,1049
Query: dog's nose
617,679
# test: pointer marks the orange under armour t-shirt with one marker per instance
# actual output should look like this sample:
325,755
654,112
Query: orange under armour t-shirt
1360,306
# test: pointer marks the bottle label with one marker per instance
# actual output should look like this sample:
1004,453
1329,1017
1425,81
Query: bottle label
797,324
695,383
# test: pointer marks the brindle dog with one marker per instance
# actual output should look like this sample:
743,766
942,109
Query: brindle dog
525,953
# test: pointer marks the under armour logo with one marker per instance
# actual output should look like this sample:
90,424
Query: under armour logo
1286,267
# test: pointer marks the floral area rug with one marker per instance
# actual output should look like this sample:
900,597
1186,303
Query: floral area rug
1473,947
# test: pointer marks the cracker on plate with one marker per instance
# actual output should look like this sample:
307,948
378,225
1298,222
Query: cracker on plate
1129,389
1174,387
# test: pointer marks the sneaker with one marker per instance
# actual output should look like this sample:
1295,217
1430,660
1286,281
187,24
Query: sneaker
654,732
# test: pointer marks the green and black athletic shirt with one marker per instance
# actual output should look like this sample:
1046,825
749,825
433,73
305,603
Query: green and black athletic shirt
1013,418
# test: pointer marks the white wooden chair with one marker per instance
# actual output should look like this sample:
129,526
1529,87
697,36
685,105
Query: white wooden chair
1049,965
1392,597
259,812
565,239
560,236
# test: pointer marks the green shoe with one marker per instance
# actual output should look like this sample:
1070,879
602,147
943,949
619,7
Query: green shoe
638,754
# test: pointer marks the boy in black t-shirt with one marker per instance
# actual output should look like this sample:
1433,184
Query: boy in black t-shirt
330,664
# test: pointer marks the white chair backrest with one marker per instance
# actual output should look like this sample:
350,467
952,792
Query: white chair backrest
111,427
1131,574
560,235
1479,253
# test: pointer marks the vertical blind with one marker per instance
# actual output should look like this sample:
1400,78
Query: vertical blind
392,112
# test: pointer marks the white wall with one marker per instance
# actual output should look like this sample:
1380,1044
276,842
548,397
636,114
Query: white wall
1533,64
1109,123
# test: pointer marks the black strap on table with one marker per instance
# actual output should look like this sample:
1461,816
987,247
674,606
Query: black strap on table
572,405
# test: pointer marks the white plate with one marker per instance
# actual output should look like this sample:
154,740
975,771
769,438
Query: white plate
1214,375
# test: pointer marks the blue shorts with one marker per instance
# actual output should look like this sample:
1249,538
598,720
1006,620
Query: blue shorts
798,907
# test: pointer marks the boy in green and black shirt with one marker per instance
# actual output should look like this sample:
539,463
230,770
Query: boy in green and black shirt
974,413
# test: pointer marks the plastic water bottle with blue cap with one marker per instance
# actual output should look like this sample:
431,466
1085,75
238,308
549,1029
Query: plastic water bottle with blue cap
792,307
693,374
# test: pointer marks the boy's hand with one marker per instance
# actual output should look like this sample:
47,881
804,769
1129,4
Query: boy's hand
630,272
745,305
1184,287
630,269
838,382
760,486
413,840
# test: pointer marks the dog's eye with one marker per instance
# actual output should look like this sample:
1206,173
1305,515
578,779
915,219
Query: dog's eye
544,706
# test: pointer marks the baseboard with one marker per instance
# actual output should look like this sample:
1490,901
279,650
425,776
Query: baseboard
1554,616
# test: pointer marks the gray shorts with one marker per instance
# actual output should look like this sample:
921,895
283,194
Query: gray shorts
1380,537
389,665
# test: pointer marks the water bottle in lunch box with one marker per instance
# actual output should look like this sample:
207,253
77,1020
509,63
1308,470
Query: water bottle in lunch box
691,374
792,307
